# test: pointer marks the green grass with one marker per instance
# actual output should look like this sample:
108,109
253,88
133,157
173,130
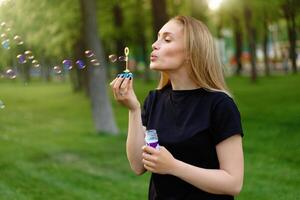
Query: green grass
49,148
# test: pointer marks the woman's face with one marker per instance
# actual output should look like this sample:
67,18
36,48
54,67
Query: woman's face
168,50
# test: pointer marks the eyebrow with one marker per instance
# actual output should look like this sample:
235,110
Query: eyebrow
164,33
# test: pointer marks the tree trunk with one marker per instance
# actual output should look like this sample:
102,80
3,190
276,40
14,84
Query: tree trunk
292,39
118,19
45,70
289,14
143,41
238,45
140,25
265,48
101,107
26,72
79,77
159,14
252,42
25,67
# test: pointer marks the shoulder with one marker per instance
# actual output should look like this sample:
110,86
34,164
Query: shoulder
158,92
220,100
225,117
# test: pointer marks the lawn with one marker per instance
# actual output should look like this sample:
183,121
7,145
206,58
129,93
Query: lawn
49,149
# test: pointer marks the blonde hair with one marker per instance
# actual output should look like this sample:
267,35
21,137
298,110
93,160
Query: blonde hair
205,66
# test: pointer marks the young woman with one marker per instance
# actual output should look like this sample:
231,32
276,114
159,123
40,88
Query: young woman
196,119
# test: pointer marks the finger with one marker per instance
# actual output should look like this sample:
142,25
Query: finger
149,150
115,95
148,157
148,168
124,88
124,85
127,81
130,84
118,83
144,128
148,163
113,81
130,76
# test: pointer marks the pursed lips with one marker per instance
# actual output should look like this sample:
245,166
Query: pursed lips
153,56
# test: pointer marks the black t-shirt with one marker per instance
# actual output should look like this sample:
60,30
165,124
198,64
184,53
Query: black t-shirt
189,123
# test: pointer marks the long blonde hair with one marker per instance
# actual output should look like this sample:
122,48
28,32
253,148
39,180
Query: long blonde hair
205,65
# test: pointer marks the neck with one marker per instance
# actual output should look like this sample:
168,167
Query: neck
180,80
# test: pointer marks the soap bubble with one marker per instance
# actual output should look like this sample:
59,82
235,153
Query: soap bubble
67,64
57,69
35,63
122,58
11,74
112,58
5,44
29,55
3,36
80,64
95,62
2,105
89,53
21,58
18,40
3,25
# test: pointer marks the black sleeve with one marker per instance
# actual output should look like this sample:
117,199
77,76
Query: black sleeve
146,109
226,120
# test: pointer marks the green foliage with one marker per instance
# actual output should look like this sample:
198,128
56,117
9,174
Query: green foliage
136,15
48,28
52,28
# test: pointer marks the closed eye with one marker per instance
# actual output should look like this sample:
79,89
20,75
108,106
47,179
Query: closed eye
167,39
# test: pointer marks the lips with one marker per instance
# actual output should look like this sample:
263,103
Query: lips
153,57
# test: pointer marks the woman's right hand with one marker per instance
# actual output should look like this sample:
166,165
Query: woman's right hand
123,91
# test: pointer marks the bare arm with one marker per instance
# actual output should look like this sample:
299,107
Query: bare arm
135,141
124,94
226,180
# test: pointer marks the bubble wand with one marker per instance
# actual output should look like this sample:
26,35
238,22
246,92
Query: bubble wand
126,52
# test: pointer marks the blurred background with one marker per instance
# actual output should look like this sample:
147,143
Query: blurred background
62,136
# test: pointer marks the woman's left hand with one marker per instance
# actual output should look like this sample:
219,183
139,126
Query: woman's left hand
158,161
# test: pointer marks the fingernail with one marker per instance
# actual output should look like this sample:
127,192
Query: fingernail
118,75
122,76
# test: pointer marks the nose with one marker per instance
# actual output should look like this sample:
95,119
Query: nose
155,45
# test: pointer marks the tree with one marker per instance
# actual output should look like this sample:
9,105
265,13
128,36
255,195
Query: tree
290,8
118,22
141,35
199,9
159,14
45,31
238,36
251,33
101,107
230,13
